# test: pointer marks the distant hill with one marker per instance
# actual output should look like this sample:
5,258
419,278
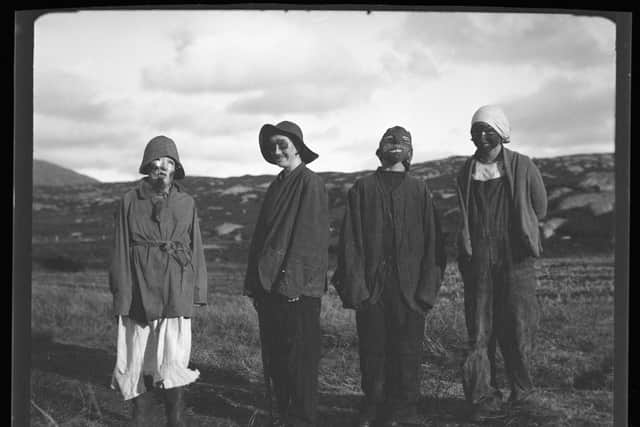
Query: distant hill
78,220
46,173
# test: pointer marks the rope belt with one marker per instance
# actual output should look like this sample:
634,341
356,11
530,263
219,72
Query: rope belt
178,250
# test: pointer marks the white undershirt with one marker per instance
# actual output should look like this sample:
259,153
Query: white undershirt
487,171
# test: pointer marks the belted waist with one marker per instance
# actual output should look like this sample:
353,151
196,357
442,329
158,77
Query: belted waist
180,251
165,245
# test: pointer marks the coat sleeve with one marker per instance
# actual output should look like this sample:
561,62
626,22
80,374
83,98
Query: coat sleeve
537,192
349,277
307,255
251,278
199,262
120,273
434,260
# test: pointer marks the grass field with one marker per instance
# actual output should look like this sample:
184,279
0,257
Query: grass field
73,351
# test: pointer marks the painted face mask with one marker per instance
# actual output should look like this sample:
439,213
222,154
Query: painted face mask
484,137
161,172
392,153
395,146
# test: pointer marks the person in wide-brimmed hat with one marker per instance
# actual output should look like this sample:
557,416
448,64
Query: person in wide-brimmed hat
286,275
291,131
502,198
157,274
390,266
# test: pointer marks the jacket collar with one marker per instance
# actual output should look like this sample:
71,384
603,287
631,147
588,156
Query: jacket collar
145,192
382,170
284,174
378,174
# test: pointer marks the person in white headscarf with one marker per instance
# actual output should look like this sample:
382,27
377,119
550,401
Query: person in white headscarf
502,197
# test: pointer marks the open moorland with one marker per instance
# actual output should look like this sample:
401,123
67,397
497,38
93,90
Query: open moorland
73,332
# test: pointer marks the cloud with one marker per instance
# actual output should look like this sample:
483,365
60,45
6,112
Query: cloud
238,62
90,145
81,101
65,94
94,157
302,98
201,121
554,40
409,61
182,39
60,132
312,72
564,112
330,133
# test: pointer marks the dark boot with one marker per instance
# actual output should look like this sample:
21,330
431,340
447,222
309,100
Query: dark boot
489,408
141,406
174,406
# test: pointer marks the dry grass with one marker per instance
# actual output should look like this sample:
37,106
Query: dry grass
572,365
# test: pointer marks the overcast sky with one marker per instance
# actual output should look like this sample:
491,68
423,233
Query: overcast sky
106,82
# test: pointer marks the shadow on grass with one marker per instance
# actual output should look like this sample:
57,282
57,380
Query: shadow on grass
225,394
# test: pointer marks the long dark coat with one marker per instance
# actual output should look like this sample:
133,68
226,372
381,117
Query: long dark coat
419,243
289,252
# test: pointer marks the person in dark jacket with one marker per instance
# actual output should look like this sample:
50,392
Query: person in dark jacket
157,274
391,261
501,196
287,275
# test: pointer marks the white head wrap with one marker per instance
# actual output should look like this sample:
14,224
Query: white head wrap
494,117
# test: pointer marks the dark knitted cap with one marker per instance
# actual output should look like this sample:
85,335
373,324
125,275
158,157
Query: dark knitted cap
397,134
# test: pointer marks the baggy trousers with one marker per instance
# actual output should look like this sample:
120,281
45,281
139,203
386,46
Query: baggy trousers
290,339
390,346
500,305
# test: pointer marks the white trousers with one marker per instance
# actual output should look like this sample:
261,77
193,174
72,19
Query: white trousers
160,349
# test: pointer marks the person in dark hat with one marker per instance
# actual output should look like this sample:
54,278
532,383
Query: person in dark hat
391,261
502,197
286,275
157,274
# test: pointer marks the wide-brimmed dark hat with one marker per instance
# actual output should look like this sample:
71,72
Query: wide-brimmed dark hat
161,146
290,130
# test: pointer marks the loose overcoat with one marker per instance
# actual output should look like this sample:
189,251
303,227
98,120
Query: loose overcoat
163,258
289,252
419,243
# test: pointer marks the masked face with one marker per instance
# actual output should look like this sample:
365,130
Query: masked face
161,172
484,137
392,151
282,151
